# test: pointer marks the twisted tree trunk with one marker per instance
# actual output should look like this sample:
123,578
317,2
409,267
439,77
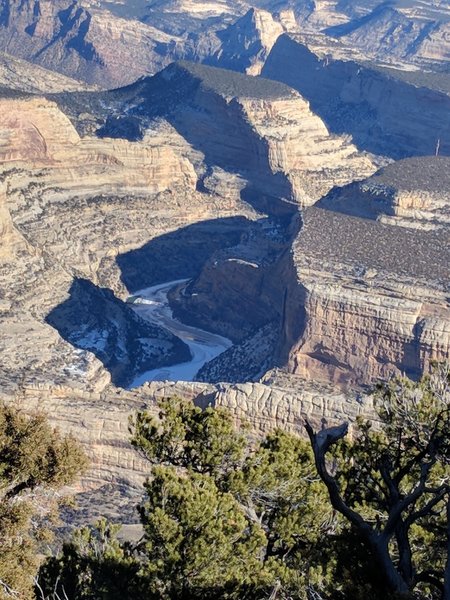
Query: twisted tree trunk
377,542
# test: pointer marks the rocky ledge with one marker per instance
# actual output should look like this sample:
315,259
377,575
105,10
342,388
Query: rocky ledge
373,265
391,112
100,421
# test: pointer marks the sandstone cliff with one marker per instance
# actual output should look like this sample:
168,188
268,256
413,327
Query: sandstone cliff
91,45
99,213
253,147
21,75
230,181
245,44
261,129
60,232
412,193
113,43
389,112
388,34
284,158
373,296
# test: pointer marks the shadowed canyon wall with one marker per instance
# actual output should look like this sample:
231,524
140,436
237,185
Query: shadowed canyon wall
383,111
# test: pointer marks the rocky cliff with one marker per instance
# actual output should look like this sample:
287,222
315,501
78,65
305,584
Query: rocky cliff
284,158
87,44
61,229
213,154
23,76
245,44
113,43
412,193
388,34
374,290
257,153
261,129
290,246
388,112
233,183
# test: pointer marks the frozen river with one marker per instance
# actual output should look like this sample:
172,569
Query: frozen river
153,306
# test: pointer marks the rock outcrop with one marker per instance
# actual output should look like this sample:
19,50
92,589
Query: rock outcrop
261,129
390,36
226,159
90,45
210,154
114,43
389,112
61,228
290,246
281,156
373,295
245,44
413,193
24,76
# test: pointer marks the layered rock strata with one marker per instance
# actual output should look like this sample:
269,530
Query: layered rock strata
245,44
412,193
391,35
24,76
245,279
373,296
393,113
69,206
87,44
258,128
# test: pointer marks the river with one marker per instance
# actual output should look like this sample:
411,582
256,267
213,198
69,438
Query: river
154,307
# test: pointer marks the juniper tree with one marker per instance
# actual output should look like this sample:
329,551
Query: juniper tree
391,483
223,516
35,462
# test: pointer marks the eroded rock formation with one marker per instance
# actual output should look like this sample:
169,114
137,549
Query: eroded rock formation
387,111
61,230
87,44
291,249
374,287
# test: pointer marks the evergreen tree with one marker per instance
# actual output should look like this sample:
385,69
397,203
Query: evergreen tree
92,565
391,483
222,517
227,516
35,462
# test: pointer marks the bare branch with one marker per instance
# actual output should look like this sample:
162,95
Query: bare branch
8,590
428,508
321,442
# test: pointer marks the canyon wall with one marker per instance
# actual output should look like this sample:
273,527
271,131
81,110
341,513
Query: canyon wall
216,178
373,264
87,44
383,111
69,207
211,177
260,129
399,34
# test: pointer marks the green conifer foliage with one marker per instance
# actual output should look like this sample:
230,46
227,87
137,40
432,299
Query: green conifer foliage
224,516
35,462
391,483
227,516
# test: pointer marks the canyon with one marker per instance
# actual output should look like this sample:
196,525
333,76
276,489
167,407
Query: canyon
113,43
389,112
51,176
294,205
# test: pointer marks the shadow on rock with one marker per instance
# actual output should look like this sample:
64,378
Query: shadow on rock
180,254
93,319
